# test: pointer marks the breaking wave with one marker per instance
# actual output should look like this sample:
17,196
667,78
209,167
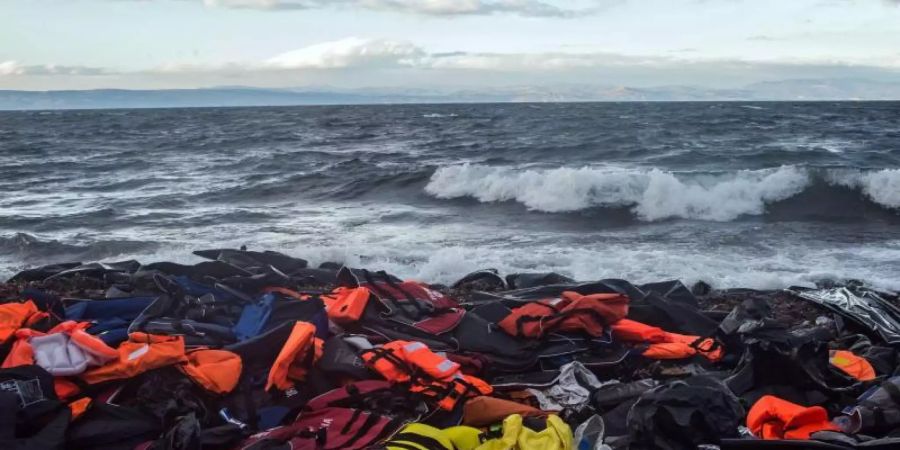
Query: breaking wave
654,194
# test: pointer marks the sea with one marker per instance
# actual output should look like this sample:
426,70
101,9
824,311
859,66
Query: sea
757,195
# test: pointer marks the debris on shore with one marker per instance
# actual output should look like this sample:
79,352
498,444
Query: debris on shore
258,350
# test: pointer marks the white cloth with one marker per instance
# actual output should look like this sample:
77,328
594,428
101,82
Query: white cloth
61,356
571,389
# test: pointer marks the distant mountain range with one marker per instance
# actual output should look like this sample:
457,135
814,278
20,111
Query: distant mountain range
788,90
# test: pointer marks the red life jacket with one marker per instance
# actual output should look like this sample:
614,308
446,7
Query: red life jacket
570,312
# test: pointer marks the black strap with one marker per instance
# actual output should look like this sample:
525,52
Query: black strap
388,354
412,299
381,292
370,422
353,419
402,446
428,443
246,391
409,297
880,420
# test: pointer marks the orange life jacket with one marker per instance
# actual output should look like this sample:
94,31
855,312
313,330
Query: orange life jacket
427,372
662,344
16,315
449,393
217,371
140,353
855,366
774,418
22,352
299,352
346,305
570,312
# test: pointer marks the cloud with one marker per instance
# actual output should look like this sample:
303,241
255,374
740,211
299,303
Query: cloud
354,52
357,54
548,61
357,62
13,68
526,8
348,53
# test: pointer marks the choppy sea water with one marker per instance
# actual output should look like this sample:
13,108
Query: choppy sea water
737,194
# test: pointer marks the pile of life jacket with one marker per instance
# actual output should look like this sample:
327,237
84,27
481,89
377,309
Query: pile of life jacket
257,350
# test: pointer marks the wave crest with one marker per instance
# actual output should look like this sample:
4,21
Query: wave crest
651,194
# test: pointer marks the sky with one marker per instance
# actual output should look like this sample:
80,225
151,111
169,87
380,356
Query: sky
425,44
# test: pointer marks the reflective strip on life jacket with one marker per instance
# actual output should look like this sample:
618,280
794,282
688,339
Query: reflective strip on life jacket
296,356
774,418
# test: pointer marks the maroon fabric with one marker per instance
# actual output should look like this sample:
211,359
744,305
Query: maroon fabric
422,292
344,428
359,388
441,323
447,312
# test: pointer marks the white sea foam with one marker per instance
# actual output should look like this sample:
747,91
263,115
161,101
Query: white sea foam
881,186
794,265
653,194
